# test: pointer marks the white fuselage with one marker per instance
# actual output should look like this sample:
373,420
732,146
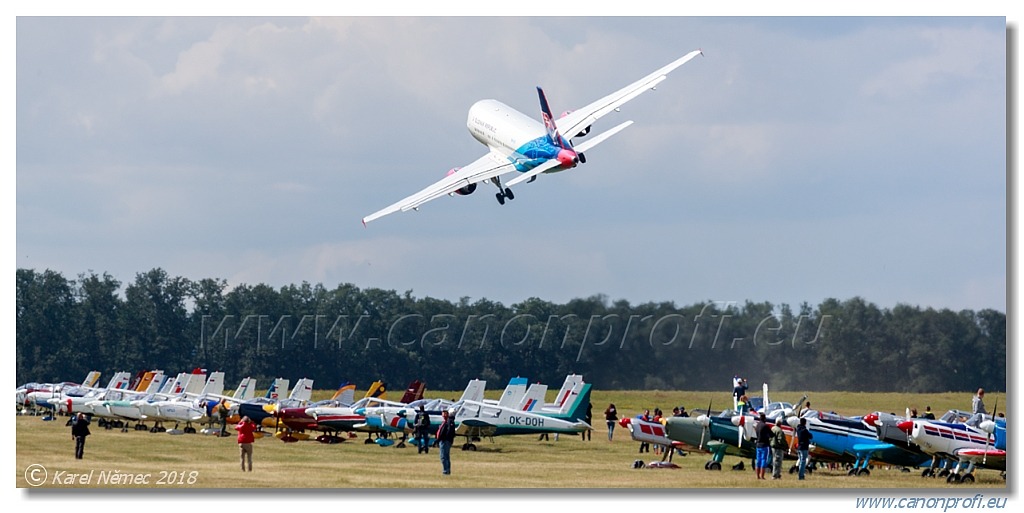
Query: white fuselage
501,127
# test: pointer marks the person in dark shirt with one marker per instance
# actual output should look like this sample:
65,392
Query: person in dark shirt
80,430
611,416
422,425
762,446
803,445
445,437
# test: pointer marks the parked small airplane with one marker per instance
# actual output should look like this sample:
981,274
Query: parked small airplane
855,440
267,415
518,143
256,410
476,419
389,418
971,441
296,419
346,418
71,402
31,396
120,411
378,389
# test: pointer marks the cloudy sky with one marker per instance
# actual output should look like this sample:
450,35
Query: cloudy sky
799,159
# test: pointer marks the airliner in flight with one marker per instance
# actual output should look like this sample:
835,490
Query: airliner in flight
519,143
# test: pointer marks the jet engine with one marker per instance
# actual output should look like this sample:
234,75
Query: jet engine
465,191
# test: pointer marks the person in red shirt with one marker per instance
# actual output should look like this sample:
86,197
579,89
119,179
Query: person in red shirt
245,440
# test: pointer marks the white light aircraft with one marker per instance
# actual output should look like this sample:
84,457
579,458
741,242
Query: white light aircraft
519,143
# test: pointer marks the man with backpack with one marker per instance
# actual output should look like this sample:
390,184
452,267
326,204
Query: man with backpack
422,425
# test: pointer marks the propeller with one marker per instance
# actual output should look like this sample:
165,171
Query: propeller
800,406
706,427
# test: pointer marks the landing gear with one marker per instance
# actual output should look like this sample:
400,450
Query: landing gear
469,446
712,465
503,192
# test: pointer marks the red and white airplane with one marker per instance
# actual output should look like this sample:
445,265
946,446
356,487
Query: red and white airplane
971,441
518,143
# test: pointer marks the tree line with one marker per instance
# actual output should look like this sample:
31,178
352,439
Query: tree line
67,327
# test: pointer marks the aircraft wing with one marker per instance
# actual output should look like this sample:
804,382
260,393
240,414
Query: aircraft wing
991,458
484,168
579,119
869,448
475,427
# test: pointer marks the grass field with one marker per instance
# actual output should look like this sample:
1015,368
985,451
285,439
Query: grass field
162,461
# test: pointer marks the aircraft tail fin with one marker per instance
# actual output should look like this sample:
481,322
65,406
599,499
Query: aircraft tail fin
572,381
214,384
144,382
534,398
346,393
549,120
91,379
119,380
414,392
196,382
378,390
514,392
245,390
156,383
578,410
174,386
303,390
136,380
474,390
278,389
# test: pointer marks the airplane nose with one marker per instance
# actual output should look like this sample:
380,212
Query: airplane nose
906,426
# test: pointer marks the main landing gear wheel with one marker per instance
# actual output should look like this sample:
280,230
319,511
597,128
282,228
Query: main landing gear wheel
928,472
712,465
469,447
503,195
967,479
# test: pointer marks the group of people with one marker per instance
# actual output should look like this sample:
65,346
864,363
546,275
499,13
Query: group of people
771,446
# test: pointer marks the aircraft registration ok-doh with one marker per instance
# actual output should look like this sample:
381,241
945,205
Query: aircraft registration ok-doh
519,143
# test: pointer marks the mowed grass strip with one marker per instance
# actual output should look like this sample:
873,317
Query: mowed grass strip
139,459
